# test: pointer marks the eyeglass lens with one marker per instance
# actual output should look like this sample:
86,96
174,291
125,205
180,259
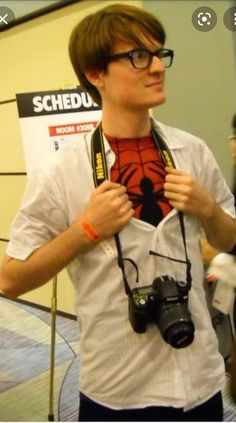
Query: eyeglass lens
141,59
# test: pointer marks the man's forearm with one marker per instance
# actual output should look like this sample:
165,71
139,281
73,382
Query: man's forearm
220,228
18,276
107,212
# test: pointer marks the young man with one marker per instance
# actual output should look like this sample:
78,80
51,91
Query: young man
119,56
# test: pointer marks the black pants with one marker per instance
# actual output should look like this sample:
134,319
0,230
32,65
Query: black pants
211,410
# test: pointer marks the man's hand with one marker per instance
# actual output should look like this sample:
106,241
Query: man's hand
186,195
109,209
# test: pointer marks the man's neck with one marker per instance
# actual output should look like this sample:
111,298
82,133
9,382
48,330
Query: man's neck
126,125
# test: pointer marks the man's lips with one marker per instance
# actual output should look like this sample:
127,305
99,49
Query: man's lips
155,84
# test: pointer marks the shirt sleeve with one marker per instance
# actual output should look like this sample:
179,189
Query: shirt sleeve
214,182
40,218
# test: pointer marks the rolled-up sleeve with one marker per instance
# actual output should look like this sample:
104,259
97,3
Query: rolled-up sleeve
40,218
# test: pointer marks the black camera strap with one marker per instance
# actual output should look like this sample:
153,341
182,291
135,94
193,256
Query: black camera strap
100,174
169,162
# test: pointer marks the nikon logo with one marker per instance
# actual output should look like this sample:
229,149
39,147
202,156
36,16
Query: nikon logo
167,159
99,166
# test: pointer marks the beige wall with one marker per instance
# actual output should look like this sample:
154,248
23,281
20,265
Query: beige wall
35,58
201,85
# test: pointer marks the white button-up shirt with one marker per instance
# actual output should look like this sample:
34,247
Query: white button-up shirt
121,368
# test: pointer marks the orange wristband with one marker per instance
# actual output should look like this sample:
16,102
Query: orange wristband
89,230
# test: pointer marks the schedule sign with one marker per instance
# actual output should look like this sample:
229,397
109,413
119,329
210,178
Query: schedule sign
50,120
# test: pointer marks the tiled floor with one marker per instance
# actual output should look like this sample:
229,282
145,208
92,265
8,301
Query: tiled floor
25,344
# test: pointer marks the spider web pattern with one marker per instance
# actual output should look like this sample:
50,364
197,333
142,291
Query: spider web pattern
139,167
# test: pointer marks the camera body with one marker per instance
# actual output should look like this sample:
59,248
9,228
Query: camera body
165,303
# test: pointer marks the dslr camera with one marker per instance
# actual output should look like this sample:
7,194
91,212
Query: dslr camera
165,303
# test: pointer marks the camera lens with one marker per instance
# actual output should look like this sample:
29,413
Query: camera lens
180,335
175,324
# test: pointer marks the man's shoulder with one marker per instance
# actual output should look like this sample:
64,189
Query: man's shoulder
178,136
70,156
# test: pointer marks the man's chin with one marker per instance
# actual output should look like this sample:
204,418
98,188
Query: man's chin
159,101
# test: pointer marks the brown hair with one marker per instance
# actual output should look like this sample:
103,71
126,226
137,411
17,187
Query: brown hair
93,39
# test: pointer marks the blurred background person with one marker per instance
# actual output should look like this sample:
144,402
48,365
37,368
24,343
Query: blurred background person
232,139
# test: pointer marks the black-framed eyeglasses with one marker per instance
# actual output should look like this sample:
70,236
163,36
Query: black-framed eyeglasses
142,58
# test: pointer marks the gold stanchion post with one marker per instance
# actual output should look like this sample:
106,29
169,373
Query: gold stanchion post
52,352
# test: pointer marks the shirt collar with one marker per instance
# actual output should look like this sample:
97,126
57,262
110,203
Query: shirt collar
169,135
166,132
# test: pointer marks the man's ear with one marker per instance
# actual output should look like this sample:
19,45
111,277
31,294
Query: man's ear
95,77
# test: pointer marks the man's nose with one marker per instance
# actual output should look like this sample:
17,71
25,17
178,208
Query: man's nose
156,65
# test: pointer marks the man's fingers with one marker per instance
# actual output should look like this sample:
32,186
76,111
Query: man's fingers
173,171
108,185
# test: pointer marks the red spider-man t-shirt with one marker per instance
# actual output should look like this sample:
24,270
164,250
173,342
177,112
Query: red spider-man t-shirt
139,167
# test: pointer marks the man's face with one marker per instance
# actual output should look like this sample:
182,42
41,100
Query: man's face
135,89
